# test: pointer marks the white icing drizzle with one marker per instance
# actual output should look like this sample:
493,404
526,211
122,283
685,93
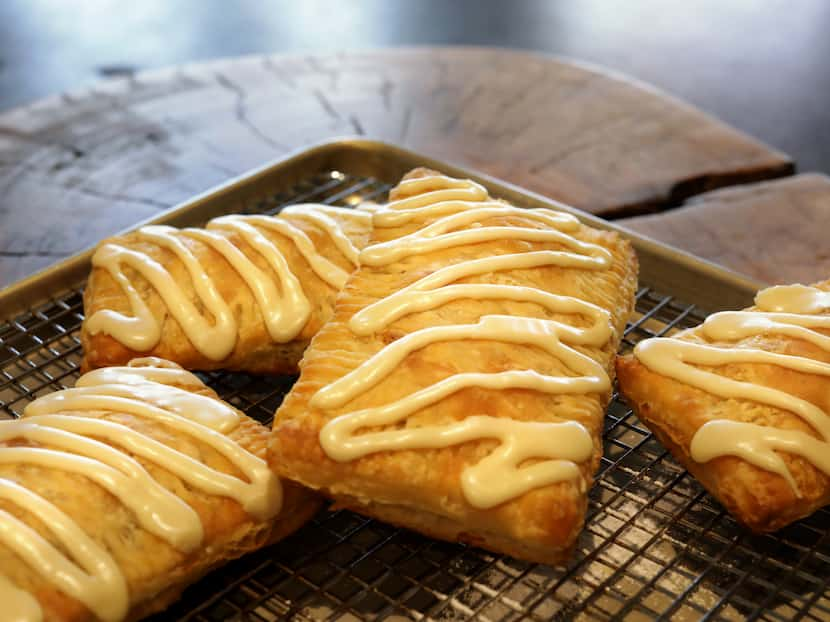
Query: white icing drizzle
256,496
149,385
66,423
324,216
139,331
210,324
94,579
791,311
451,195
214,337
152,370
333,274
556,447
157,509
435,290
545,334
442,234
281,320
18,605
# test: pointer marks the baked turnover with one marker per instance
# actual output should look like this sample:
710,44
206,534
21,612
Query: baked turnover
460,388
244,293
117,494
742,401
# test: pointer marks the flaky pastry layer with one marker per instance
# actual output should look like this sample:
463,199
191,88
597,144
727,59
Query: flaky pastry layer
255,350
154,570
761,500
420,488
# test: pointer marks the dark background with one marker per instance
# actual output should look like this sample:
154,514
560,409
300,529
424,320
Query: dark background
760,65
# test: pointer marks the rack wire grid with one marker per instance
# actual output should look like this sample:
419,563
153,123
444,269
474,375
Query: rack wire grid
655,545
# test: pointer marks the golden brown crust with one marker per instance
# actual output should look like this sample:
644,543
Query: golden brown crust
155,571
254,351
299,506
761,500
441,527
420,488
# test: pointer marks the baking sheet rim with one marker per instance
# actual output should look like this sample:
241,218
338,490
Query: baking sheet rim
661,263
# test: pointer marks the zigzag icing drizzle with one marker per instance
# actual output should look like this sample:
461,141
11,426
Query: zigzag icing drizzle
210,324
795,311
65,424
557,448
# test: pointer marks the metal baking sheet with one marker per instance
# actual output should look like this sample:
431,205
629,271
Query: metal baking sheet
655,545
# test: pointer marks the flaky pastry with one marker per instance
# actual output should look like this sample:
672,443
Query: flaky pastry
742,401
117,494
460,388
244,293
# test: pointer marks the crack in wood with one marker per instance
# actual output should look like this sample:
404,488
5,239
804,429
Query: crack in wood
442,74
326,105
180,75
115,196
217,151
138,91
66,98
466,100
592,139
32,254
356,126
333,74
507,109
558,157
242,113
222,169
40,142
386,88
507,132
542,118
133,82
519,96
17,171
16,168
113,100
407,121
272,67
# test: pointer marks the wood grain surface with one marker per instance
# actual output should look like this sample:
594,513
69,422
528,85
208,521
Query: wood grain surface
77,167
774,231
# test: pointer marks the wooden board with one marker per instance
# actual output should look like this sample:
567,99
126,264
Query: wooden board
774,231
76,167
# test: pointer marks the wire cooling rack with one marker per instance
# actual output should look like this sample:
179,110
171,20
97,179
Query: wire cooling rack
655,545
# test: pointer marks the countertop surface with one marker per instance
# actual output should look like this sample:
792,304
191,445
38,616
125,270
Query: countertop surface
695,143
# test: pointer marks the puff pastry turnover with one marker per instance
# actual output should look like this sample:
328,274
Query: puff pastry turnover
460,388
118,493
245,293
742,401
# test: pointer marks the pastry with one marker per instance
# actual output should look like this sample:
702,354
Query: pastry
742,401
117,494
245,293
460,388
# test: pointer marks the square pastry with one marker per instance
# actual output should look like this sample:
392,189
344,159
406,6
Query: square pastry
117,494
244,293
742,401
460,387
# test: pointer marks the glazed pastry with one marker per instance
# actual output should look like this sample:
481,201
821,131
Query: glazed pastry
117,494
742,401
460,388
245,293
